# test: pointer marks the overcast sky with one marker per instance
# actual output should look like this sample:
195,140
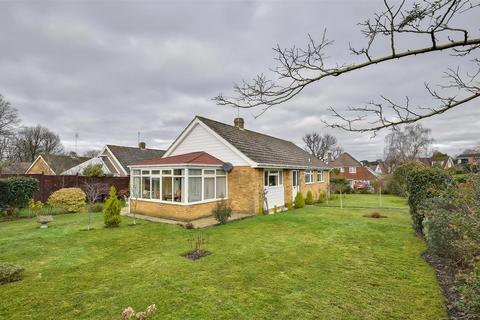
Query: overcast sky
108,70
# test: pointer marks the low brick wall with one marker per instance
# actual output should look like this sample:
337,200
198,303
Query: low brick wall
177,212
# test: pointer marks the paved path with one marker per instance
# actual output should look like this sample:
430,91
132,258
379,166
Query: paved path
198,223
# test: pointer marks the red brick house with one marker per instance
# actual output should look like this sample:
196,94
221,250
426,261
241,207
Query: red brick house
352,170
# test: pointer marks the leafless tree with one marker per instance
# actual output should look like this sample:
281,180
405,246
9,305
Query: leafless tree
406,145
33,141
8,122
437,21
94,192
318,145
91,153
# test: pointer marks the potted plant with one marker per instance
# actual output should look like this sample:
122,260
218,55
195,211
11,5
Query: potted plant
42,219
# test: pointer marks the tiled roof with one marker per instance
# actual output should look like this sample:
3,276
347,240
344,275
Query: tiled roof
129,155
263,149
200,158
361,174
345,160
61,163
15,168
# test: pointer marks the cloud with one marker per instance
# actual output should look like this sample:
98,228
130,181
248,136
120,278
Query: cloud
108,70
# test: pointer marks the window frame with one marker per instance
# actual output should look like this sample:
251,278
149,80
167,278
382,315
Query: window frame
309,173
172,172
278,173
352,169
320,174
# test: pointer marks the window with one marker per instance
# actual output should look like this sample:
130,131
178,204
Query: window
273,178
169,185
320,176
342,170
308,176
352,169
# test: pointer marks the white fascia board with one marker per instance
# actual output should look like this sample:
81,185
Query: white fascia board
115,159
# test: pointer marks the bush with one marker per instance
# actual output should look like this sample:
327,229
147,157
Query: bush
309,198
289,205
424,184
10,272
340,185
111,211
68,199
261,210
94,170
22,190
299,201
96,207
222,211
398,183
4,194
321,197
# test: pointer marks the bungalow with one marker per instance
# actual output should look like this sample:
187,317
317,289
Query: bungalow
352,170
52,164
211,161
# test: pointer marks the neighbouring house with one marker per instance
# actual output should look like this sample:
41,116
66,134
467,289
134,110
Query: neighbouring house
14,167
469,157
445,162
51,164
78,169
378,167
210,161
117,158
352,170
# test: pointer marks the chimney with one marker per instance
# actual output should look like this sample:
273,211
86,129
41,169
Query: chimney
142,145
329,156
239,123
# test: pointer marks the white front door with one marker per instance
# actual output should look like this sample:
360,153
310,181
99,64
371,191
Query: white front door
295,183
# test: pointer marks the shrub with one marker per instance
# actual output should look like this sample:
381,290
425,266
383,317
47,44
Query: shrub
4,194
309,198
10,272
222,211
423,184
96,207
22,190
398,183
94,170
340,185
321,197
111,211
68,199
289,205
299,200
261,210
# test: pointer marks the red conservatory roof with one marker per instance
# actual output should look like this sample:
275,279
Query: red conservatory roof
201,158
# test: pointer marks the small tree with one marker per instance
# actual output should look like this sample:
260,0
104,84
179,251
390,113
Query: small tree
94,170
309,198
299,200
111,212
222,211
93,191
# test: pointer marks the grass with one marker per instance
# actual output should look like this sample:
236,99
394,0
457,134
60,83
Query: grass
312,263
368,201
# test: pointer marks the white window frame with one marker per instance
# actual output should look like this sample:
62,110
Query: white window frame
320,177
342,170
352,169
273,173
309,173
139,172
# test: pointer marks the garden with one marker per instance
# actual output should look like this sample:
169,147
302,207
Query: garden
305,263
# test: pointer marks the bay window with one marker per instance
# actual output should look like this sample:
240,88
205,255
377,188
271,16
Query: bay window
179,185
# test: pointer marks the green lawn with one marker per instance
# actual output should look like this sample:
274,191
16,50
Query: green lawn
313,263
368,201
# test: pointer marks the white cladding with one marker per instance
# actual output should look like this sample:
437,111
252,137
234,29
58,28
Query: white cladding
275,196
201,139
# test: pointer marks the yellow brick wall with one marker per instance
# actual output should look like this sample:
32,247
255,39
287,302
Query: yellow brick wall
317,187
173,211
245,189
39,167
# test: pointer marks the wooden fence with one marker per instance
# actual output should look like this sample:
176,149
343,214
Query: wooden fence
49,184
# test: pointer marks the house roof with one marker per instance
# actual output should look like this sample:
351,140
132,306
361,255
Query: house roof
129,155
15,168
200,158
469,153
61,163
345,160
263,149
361,174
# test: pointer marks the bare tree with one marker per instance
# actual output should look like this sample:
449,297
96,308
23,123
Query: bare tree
94,192
403,146
33,141
439,21
318,145
91,153
8,122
